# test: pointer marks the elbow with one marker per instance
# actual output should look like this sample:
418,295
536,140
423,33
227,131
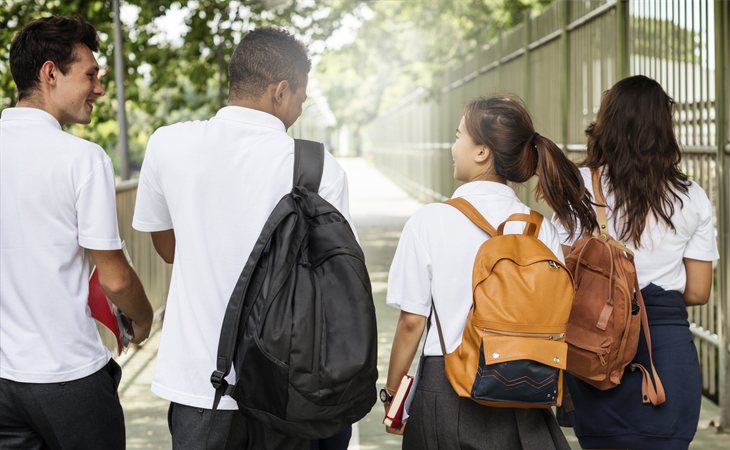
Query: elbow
117,284
412,323
696,298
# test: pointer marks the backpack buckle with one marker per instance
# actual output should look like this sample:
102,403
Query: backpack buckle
217,379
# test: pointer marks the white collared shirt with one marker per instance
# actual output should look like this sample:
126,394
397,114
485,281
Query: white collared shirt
57,197
659,259
214,182
435,257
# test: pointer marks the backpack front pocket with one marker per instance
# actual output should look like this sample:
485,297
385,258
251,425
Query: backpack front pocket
517,370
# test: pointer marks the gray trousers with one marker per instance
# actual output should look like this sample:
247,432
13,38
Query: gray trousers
441,420
198,428
78,414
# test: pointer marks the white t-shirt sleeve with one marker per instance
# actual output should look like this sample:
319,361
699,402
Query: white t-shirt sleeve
96,210
550,237
702,244
151,212
335,190
409,280
563,235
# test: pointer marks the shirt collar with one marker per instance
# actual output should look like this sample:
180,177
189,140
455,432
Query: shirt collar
483,188
251,116
30,114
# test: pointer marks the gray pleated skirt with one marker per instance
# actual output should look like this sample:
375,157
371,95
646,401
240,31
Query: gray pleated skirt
441,420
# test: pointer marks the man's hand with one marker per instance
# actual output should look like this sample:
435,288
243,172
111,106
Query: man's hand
141,332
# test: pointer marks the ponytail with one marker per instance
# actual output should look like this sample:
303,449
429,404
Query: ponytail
561,186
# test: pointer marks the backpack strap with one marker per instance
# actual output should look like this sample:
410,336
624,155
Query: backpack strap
650,392
600,202
308,164
472,214
533,222
438,328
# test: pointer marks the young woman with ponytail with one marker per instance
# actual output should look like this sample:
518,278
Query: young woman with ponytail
666,221
496,143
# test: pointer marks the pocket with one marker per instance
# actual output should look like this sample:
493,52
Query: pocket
519,370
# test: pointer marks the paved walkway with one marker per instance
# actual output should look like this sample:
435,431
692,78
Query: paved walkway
379,210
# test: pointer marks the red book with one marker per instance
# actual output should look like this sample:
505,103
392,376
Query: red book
104,312
394,416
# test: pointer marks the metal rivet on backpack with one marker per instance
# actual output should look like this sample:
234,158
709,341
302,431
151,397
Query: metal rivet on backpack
495,355
603,226
556,360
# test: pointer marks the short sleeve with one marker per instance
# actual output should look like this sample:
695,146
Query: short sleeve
335,190
551,238
96,211
563,235
409,280
702,245
151,212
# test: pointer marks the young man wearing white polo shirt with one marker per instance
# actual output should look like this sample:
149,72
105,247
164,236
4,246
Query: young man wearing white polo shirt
58,383
205,191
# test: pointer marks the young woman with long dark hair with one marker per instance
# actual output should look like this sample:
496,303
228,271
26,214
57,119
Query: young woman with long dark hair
666,220
495,143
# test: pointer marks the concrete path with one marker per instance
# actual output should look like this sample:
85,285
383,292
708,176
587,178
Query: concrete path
379,210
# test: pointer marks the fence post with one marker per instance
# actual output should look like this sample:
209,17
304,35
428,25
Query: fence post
527,89
566,91
622,39
722,59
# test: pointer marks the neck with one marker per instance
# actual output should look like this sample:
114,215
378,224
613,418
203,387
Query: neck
260,104
37,103
489,177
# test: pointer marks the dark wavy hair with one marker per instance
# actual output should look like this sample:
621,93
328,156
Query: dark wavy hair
47,39
505,127
633,137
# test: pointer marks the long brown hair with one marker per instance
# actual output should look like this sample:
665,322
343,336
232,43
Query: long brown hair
633,137
505,127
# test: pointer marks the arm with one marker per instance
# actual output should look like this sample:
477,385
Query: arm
164,242
408,334
699,281
122,286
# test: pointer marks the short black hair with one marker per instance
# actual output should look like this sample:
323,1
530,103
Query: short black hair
266,56
47,39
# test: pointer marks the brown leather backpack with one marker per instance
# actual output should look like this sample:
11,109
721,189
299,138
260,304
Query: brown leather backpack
512,352
608,311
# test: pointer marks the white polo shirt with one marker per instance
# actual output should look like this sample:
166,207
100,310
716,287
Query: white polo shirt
214,182
659,259
57,197
435,257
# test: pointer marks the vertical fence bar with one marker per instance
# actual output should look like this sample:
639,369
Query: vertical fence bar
527,89
566,90
622,39
722,34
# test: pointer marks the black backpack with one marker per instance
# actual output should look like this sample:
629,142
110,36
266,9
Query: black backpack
300,327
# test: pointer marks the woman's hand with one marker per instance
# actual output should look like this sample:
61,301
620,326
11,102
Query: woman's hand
391,430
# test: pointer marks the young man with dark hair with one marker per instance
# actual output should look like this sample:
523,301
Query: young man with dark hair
205,191
58,383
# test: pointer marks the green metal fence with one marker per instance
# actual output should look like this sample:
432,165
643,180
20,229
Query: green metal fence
560,62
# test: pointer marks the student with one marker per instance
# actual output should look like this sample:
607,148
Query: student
58,383
495,143
666,220
205,191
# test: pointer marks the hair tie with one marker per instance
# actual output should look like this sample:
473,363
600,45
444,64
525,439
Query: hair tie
534,144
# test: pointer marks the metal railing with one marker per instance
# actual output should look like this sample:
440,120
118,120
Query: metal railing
560,62
152,270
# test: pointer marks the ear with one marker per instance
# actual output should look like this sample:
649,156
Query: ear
483,154
48,73
281,88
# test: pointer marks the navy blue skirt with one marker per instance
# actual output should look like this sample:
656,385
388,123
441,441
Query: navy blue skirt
617,418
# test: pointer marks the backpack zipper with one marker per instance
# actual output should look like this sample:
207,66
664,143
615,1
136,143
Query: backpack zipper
549,336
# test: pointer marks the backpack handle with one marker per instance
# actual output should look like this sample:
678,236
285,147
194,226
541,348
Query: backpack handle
472,214
533,222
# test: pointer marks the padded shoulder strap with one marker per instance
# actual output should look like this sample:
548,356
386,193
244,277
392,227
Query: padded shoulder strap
600,201
308,164
475,216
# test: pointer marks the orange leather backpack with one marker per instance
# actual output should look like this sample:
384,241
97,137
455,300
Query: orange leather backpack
608,311
512,352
